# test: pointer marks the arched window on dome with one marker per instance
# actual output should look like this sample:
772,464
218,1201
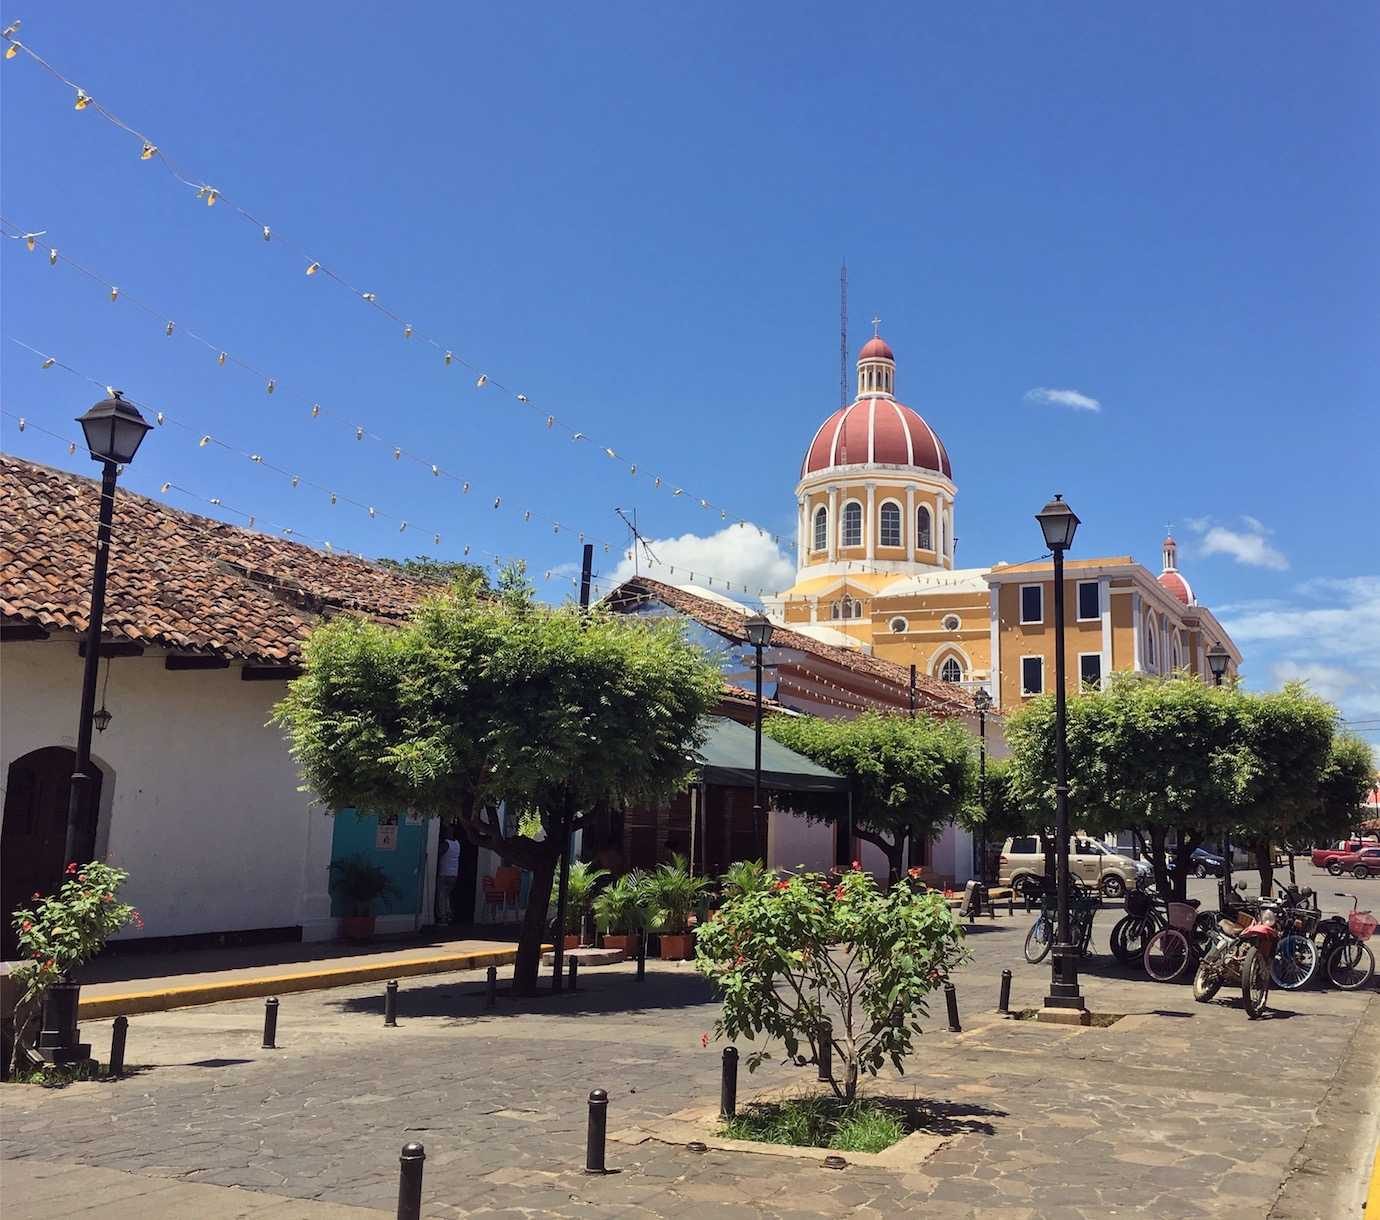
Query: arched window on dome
821,528
924,530
889,530
1176,654
951,670
852,524
1150,644
846,608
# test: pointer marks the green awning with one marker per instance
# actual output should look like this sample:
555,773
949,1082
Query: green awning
727,759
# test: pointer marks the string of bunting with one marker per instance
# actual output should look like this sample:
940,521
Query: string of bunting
317,411
312,266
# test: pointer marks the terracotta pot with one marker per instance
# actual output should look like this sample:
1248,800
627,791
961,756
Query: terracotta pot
619,941
676,947
572,941
357,927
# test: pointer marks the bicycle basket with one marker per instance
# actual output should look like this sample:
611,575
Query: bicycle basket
1137,903
1361,924
1182,915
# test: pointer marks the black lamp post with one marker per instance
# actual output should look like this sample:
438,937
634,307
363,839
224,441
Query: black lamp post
1218,659
114,430
1059,523
982,701
758,629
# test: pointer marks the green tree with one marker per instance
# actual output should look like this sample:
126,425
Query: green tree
471,577
478,703
910,776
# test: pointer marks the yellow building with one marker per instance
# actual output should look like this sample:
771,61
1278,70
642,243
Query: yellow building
875,569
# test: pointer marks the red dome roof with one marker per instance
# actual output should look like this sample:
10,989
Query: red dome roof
1177,586
876,430
876,348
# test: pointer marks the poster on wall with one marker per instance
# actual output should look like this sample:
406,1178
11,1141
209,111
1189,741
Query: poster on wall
386,836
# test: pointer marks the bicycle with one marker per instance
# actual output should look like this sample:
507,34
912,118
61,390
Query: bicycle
1083,907
1170,951
1296,958
1347,960
1144,917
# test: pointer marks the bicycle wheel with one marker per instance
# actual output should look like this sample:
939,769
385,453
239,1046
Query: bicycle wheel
1206,982
1352,965
1255,983
1037,941
1295,961
1129,937
1166,955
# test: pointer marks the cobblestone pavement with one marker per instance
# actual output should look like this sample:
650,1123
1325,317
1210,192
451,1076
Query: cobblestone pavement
1179,1110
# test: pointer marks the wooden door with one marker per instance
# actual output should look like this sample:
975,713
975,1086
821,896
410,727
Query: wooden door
35,828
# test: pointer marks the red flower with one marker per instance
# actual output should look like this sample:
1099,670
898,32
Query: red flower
783,885
857,865
72,869
36,896
26,926
704,1040
138,920
913,872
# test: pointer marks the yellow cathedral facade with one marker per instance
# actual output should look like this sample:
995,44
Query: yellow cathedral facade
875,570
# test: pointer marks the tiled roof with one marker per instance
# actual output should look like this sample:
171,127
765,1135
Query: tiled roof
939,696
177,581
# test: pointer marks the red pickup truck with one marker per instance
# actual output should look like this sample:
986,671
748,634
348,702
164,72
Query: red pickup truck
1323,857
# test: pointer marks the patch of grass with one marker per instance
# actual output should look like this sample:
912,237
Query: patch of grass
820,1122
48,1076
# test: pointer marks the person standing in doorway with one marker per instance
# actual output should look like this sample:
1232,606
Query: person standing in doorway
447,868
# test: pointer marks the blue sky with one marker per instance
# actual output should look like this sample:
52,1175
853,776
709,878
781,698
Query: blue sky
635,215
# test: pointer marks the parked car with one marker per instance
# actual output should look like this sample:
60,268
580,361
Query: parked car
1363,863
1323,856
1021,865
1205,863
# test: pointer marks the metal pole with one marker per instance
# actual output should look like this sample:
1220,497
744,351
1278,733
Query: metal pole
757,762
826,1050
728,1084
951,1003
642,955
270,1023
81,773
117,1046
1004,1000
1063,988
596,1131
491,987
574,972
410,1165
390,1003
982,794
912,692
1225,895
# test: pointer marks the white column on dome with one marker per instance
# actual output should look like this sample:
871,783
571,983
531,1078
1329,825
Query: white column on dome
870,525
938,530
833,524
801,524
910,523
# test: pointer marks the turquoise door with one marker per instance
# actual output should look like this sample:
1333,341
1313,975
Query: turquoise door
396,844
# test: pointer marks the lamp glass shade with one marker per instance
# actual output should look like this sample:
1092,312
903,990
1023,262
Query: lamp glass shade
114,430
1217,659
101,719
982,701
758,629
1059,523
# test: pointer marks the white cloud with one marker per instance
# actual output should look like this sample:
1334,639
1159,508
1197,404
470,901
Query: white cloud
1062,398
740,559
1250,546
1332,682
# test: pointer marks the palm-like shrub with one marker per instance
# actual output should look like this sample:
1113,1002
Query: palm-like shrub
673,894
745,877
622,907
579,892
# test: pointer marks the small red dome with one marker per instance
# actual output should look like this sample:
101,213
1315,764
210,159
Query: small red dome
876,348
876,429
1177,586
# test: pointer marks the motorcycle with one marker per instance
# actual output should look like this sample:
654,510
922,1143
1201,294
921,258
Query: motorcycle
1241,954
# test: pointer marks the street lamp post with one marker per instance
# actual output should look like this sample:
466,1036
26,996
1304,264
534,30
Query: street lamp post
758,629
1218,659
1064,1002
114,430
982,701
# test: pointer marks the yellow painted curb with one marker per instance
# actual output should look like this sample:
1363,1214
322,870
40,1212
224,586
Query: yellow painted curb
126,1004
1373,1195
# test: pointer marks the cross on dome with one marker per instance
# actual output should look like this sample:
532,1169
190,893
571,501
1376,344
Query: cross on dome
876,323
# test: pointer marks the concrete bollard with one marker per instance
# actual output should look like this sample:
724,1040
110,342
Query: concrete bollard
270,1023
390,1003
826,1050
574,972
1004,1000
728,1084
1010,905
951,1002
597,1131
410,1165
117,1046
491,987
642,957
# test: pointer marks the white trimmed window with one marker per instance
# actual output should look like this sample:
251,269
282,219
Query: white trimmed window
1032,603
1032,676
852,524
821,529
1150,644
899,626
1090,670
1089,601
951,670
924,529
951,622
889,532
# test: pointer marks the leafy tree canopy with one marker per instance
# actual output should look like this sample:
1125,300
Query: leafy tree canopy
469,576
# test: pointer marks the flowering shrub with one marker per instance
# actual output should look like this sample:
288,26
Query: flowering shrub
61,932
810,947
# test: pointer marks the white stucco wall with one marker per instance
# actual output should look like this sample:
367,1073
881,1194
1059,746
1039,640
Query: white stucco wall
793,841
199,799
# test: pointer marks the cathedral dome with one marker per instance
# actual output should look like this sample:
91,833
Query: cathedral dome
1171,579
875,429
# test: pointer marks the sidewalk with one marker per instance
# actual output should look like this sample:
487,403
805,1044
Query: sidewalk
141,983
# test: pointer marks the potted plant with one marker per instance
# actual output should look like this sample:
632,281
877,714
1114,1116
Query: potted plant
674,895
621,912
359,884
579,894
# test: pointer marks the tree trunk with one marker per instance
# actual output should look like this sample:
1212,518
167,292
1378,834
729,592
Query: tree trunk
1265,866
528,963
1163,879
